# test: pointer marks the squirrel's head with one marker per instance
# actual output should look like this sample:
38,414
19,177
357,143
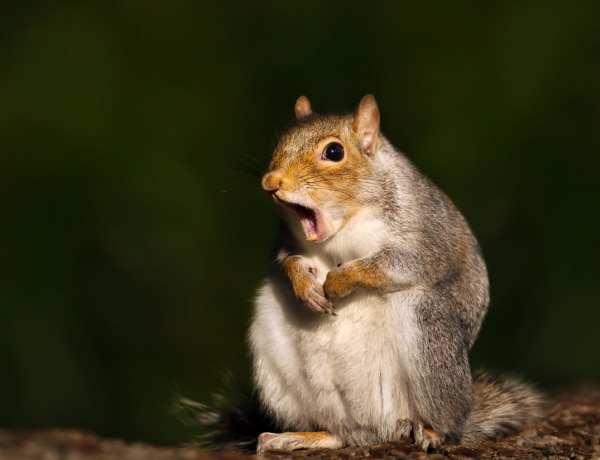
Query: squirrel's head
322,168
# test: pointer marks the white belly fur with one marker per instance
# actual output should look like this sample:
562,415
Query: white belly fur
343,374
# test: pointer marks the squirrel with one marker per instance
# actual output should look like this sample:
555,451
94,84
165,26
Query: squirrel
362,331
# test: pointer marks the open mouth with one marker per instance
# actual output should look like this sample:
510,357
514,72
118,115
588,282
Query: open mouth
308,219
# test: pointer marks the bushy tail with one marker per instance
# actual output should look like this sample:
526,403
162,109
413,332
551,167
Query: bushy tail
232,421
501,406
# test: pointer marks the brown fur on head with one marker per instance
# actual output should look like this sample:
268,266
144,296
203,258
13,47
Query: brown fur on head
320,163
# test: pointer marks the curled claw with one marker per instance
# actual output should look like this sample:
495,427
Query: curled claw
329,309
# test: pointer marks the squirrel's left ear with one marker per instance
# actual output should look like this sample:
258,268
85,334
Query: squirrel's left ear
366,124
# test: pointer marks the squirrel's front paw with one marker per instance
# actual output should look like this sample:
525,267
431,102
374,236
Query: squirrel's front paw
338,283
310,292
306,287
314,298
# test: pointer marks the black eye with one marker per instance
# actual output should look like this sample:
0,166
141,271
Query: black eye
333,152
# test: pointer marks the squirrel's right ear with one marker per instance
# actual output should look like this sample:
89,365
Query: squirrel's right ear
366,124
302,107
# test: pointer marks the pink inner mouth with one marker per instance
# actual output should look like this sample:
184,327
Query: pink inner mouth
308,218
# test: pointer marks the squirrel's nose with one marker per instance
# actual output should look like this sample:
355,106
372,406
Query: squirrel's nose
272,181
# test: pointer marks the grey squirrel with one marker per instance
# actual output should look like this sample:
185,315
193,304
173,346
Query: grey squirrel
362,331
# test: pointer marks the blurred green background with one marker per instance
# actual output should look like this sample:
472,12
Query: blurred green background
133,234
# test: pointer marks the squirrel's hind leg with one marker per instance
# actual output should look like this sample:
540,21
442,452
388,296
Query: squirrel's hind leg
289,441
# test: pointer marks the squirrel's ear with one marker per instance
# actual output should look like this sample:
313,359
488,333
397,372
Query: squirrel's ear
302,108
366,124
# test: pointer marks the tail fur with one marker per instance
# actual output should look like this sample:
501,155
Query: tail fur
232,421
501,406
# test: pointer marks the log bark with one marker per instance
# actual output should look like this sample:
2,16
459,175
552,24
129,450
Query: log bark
571,430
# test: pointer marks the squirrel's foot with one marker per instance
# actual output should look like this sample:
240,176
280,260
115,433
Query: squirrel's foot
297,440
427,438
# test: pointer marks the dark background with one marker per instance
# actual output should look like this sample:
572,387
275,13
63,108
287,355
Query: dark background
133,236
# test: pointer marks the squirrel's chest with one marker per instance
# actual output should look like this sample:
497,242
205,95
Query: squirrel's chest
352,341
362,235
